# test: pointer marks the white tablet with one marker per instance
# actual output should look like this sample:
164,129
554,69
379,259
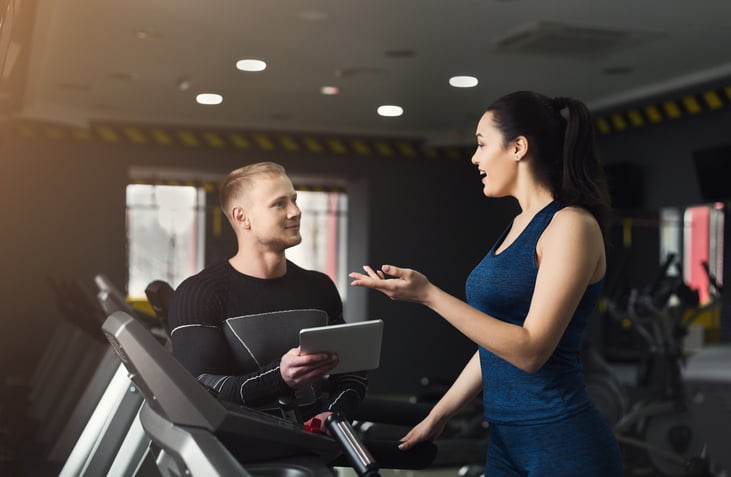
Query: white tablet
358,345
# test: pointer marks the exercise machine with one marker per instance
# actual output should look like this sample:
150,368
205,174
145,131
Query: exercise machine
707,379
193,433
657,433
111,442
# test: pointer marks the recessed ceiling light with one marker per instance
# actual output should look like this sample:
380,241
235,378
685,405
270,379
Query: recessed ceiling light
463,81
209,98
251,65
390,110
183,84
330,90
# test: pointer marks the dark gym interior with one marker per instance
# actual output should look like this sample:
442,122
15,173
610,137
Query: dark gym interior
413,198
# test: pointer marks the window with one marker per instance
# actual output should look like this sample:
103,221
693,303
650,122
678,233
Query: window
324,228
165,230
695,235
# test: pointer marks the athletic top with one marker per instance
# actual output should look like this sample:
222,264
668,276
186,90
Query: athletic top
501,285
205,320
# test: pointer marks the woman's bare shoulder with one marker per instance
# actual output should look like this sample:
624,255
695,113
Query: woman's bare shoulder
574,220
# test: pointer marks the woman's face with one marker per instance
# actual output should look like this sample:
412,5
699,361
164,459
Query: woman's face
497,164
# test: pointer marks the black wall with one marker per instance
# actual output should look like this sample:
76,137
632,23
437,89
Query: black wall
63,218
662,156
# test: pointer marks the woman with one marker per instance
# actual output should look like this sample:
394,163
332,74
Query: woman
529,299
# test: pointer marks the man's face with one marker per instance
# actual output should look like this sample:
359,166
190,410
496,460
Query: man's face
274,218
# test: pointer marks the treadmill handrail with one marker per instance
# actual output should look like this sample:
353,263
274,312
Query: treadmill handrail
157,373
174,394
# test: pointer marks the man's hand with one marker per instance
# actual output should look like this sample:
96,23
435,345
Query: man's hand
299,369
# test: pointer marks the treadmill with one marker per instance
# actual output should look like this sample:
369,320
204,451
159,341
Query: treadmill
111,443
196,434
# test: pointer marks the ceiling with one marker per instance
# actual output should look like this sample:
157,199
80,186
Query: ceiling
144,61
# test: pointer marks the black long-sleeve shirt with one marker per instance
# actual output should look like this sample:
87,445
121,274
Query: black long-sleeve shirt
204,304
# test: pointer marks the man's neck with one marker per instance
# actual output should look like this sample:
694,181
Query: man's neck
259,265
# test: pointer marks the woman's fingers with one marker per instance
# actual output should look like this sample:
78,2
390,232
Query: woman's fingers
371,273
384,273
409,440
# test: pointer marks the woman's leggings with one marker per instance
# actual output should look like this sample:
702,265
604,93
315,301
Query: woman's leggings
580,445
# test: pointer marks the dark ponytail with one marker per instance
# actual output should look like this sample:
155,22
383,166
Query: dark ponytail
560,135
584,181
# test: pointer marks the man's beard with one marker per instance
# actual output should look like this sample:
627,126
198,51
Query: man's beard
282,243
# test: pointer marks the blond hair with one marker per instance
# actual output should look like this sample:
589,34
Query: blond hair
238,182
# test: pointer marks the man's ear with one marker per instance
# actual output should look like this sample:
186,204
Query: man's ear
239,216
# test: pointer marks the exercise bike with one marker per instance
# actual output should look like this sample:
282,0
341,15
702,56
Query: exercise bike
657,434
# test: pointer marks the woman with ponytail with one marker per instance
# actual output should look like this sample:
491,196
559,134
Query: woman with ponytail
529,299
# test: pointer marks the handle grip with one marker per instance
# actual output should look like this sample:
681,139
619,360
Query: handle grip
356,453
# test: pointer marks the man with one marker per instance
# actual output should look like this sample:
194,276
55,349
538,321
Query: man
233,324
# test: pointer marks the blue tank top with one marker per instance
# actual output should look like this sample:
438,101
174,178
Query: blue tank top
501,285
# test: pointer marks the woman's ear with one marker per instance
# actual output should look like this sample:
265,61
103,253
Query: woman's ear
520,147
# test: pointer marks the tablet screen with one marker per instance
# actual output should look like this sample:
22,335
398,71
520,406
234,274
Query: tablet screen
358,345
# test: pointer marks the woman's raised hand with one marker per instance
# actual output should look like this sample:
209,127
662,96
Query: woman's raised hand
397,283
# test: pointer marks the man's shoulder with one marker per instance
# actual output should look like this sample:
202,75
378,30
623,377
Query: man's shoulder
212,277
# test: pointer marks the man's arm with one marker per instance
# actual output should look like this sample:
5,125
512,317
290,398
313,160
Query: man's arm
200,346
204,352
348,390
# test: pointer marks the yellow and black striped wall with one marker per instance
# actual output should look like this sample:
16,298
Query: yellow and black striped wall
640,114
662,110
238,140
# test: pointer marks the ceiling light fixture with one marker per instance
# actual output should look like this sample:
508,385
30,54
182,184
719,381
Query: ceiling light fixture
183,84
330,90
209,98
463,81
251,65
390,110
